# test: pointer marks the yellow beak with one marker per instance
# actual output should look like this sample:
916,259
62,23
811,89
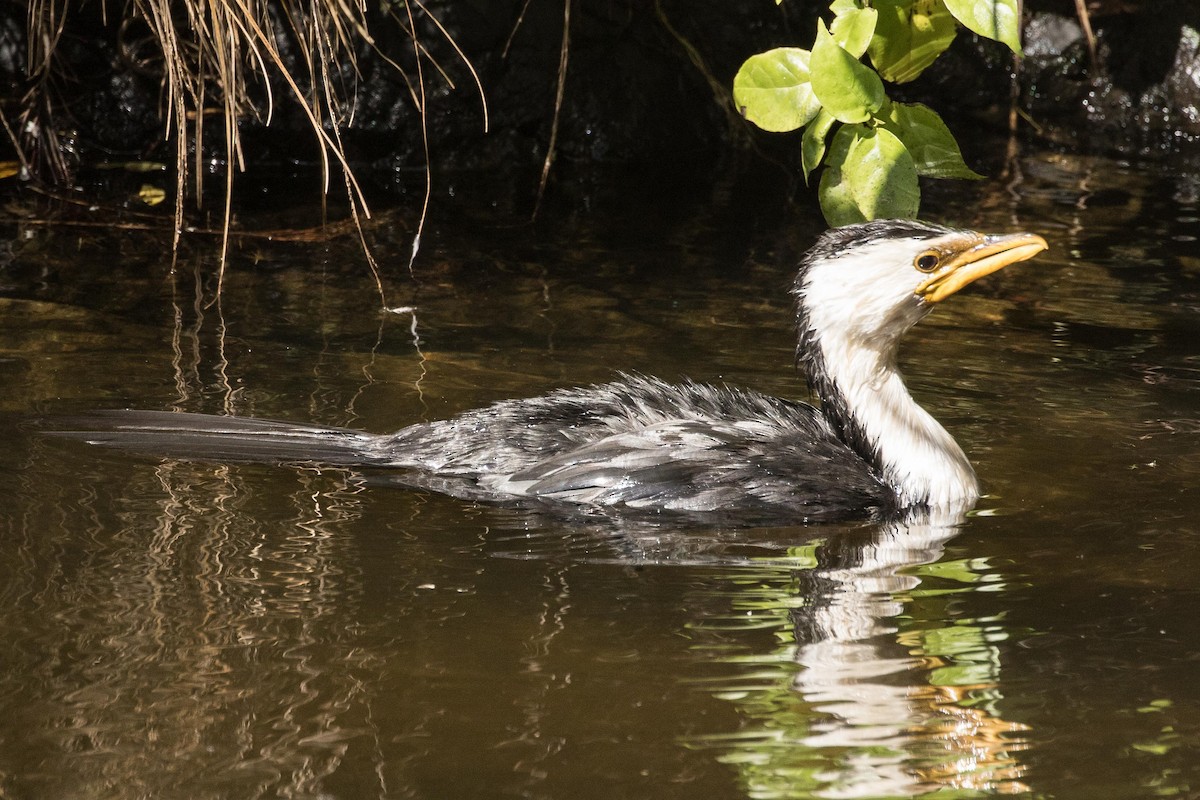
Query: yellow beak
984,258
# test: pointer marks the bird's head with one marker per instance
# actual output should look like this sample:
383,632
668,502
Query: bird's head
869,283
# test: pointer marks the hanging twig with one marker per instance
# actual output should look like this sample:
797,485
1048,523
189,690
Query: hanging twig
558,100
1085,22
416,243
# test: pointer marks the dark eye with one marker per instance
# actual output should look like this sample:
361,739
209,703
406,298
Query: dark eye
928,262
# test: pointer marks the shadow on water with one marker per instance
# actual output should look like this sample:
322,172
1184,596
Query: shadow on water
195,630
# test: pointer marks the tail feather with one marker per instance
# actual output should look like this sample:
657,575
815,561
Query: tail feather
205,437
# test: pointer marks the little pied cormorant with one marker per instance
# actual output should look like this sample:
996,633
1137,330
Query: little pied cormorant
640,443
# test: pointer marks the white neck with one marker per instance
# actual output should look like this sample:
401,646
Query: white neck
917,457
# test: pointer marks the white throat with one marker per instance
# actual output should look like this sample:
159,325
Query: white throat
918,458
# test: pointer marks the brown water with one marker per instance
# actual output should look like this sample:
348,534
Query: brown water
177,630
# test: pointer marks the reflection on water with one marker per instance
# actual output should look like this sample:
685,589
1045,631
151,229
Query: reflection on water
190,641
215,630
863,692
190,631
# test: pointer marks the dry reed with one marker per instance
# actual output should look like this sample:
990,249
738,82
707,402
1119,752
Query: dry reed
240,59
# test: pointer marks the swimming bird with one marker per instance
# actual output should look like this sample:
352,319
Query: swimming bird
641,443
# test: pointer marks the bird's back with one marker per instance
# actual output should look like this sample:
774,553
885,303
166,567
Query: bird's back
634,443
643,443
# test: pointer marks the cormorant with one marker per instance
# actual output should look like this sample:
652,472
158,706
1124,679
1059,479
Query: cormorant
640,443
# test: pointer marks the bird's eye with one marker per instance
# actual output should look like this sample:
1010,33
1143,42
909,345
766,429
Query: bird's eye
927,262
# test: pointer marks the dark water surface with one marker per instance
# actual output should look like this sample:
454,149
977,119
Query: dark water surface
181,630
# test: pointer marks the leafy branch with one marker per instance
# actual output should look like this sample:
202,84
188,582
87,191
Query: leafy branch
873,149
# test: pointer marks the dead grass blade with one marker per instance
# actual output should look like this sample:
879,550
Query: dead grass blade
233,57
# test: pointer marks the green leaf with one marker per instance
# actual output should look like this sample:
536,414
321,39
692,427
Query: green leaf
932,146
847,88
909,36
995,19
869,175
772,90
853,29
812,145
837,200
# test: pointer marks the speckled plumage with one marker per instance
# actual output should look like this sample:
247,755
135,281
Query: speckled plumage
647,444
640,443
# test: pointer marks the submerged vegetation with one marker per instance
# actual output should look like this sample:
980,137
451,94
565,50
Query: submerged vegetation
879,147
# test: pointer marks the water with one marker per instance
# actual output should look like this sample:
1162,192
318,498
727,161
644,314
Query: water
183,630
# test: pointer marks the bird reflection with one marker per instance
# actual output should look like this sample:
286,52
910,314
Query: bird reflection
867,696
873,688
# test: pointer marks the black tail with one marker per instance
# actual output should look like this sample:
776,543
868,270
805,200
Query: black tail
205,437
